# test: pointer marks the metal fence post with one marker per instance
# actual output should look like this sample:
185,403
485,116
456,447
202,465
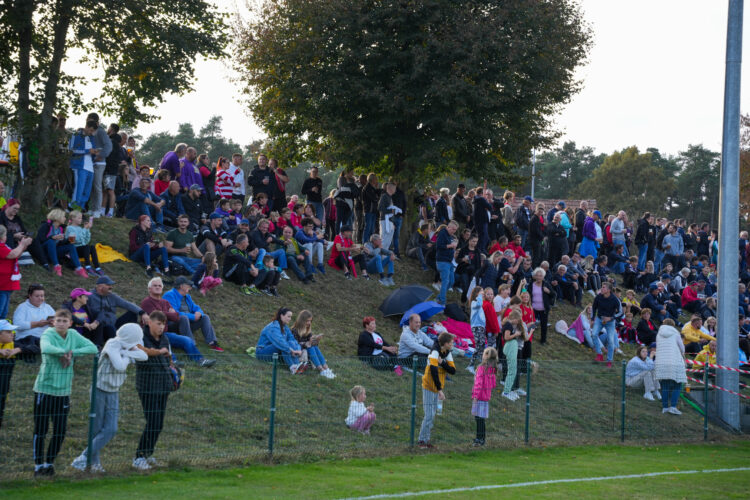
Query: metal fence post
528,400
272,417
413,399
92,409
622,403
705,402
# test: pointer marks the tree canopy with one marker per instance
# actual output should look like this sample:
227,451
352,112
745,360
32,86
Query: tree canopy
412,89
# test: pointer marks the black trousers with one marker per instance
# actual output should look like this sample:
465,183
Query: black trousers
267,279
46,408
105,332
343,262
543,317
154,407
88,254
6,372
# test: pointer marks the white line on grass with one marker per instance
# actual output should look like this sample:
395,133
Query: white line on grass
538,483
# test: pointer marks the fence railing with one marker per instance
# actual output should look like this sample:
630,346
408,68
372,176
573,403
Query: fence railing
244,411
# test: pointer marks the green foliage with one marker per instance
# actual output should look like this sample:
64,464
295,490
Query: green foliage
413,89
628,180
697,194
560,171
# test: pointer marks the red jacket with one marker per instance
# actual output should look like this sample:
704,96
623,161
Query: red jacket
689,295
490,317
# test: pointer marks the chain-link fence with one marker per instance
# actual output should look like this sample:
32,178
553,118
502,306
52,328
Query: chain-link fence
243,410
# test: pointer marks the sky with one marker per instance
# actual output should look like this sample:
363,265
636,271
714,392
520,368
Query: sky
654,78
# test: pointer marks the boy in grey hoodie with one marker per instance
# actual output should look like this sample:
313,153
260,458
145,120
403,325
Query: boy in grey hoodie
114,359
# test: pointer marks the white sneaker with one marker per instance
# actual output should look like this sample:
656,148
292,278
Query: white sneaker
327,374
592,293
510,395
674,411
665,410
80,462
657,395
619,351
436,286
520,392
502,382
98,468
284,275
471,369
329,245
140,463
294,368
649,396
152,462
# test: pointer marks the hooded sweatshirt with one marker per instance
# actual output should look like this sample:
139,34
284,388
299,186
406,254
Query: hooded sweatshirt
117,355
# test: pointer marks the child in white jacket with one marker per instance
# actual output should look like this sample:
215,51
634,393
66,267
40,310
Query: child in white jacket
360,417
114,359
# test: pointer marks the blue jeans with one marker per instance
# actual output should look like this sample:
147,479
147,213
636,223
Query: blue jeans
670,392
55,252
294,264
658,257
397,223
316,356
642,253
280,256
524,233
369,226
266,354
611,335
143,254
319,211
591,341
317,252
4,303
378,263
83,181
186,344
189,263
446,276
143,209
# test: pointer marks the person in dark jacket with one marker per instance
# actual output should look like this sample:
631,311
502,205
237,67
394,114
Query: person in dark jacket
154,382
399,201
537,230
374,350
263,180
481,216
557,240
212,237
142,245
345,195
370,199
461,211
445,247
262,239
580,219
646,329
420,247
312,188
173,204
114,163
143,202
643,233
193,207
441,207
469,261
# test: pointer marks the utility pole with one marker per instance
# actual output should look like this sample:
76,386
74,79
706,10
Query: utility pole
533,170
729,215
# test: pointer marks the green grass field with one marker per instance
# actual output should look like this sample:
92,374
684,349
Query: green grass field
423,472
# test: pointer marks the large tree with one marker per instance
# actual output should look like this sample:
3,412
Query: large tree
135,50
414,89
697,185
560,171
630,181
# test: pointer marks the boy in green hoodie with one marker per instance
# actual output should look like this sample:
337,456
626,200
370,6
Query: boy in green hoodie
52,387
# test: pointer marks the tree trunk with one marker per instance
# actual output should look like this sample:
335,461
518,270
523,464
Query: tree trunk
24,11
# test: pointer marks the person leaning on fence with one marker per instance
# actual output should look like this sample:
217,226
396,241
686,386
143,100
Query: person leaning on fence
58,345
414,342
440,363
117,354
640,372
8,353
669,366
277,338
360,417
485,379
374,350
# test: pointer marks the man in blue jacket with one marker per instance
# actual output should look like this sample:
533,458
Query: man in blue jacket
84,149
179,298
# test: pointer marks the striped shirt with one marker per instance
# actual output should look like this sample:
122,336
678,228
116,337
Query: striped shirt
224,184
438,365
53,379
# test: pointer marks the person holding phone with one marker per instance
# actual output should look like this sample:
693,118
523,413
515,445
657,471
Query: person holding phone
302,331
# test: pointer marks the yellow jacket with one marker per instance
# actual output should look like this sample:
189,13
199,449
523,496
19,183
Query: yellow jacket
691,334
706,356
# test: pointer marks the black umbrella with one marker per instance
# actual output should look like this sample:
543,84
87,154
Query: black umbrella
404,299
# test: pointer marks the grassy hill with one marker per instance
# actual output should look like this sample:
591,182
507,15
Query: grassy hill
220,415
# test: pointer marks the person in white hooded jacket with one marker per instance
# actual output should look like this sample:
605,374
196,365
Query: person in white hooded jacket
116,355
669,365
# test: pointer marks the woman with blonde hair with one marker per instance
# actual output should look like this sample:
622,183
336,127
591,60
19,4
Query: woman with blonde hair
51,237
302,331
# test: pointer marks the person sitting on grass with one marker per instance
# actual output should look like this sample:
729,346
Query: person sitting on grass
83,321
277,338
179,327
708,353
154,382
302,332
360,417
693,337
206,275
313,243
180,244
414,342
379,260
179,298
117,354
51,238
52,387
296,256
32,317
142,245
80,236
440,364
262,238
344,254
374,350
143,202
640,372
212,237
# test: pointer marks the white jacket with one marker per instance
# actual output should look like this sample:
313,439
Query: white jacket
670,355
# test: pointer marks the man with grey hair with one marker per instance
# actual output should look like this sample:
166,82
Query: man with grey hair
413,342
171,161
378,259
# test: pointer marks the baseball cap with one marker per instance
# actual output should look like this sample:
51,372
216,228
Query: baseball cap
666,276
77,292
561,203
528,198
214,216
195,186
6,325
653,287
105,280
245,221
598,213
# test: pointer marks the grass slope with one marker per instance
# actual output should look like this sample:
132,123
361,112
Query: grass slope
220,416
350,478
